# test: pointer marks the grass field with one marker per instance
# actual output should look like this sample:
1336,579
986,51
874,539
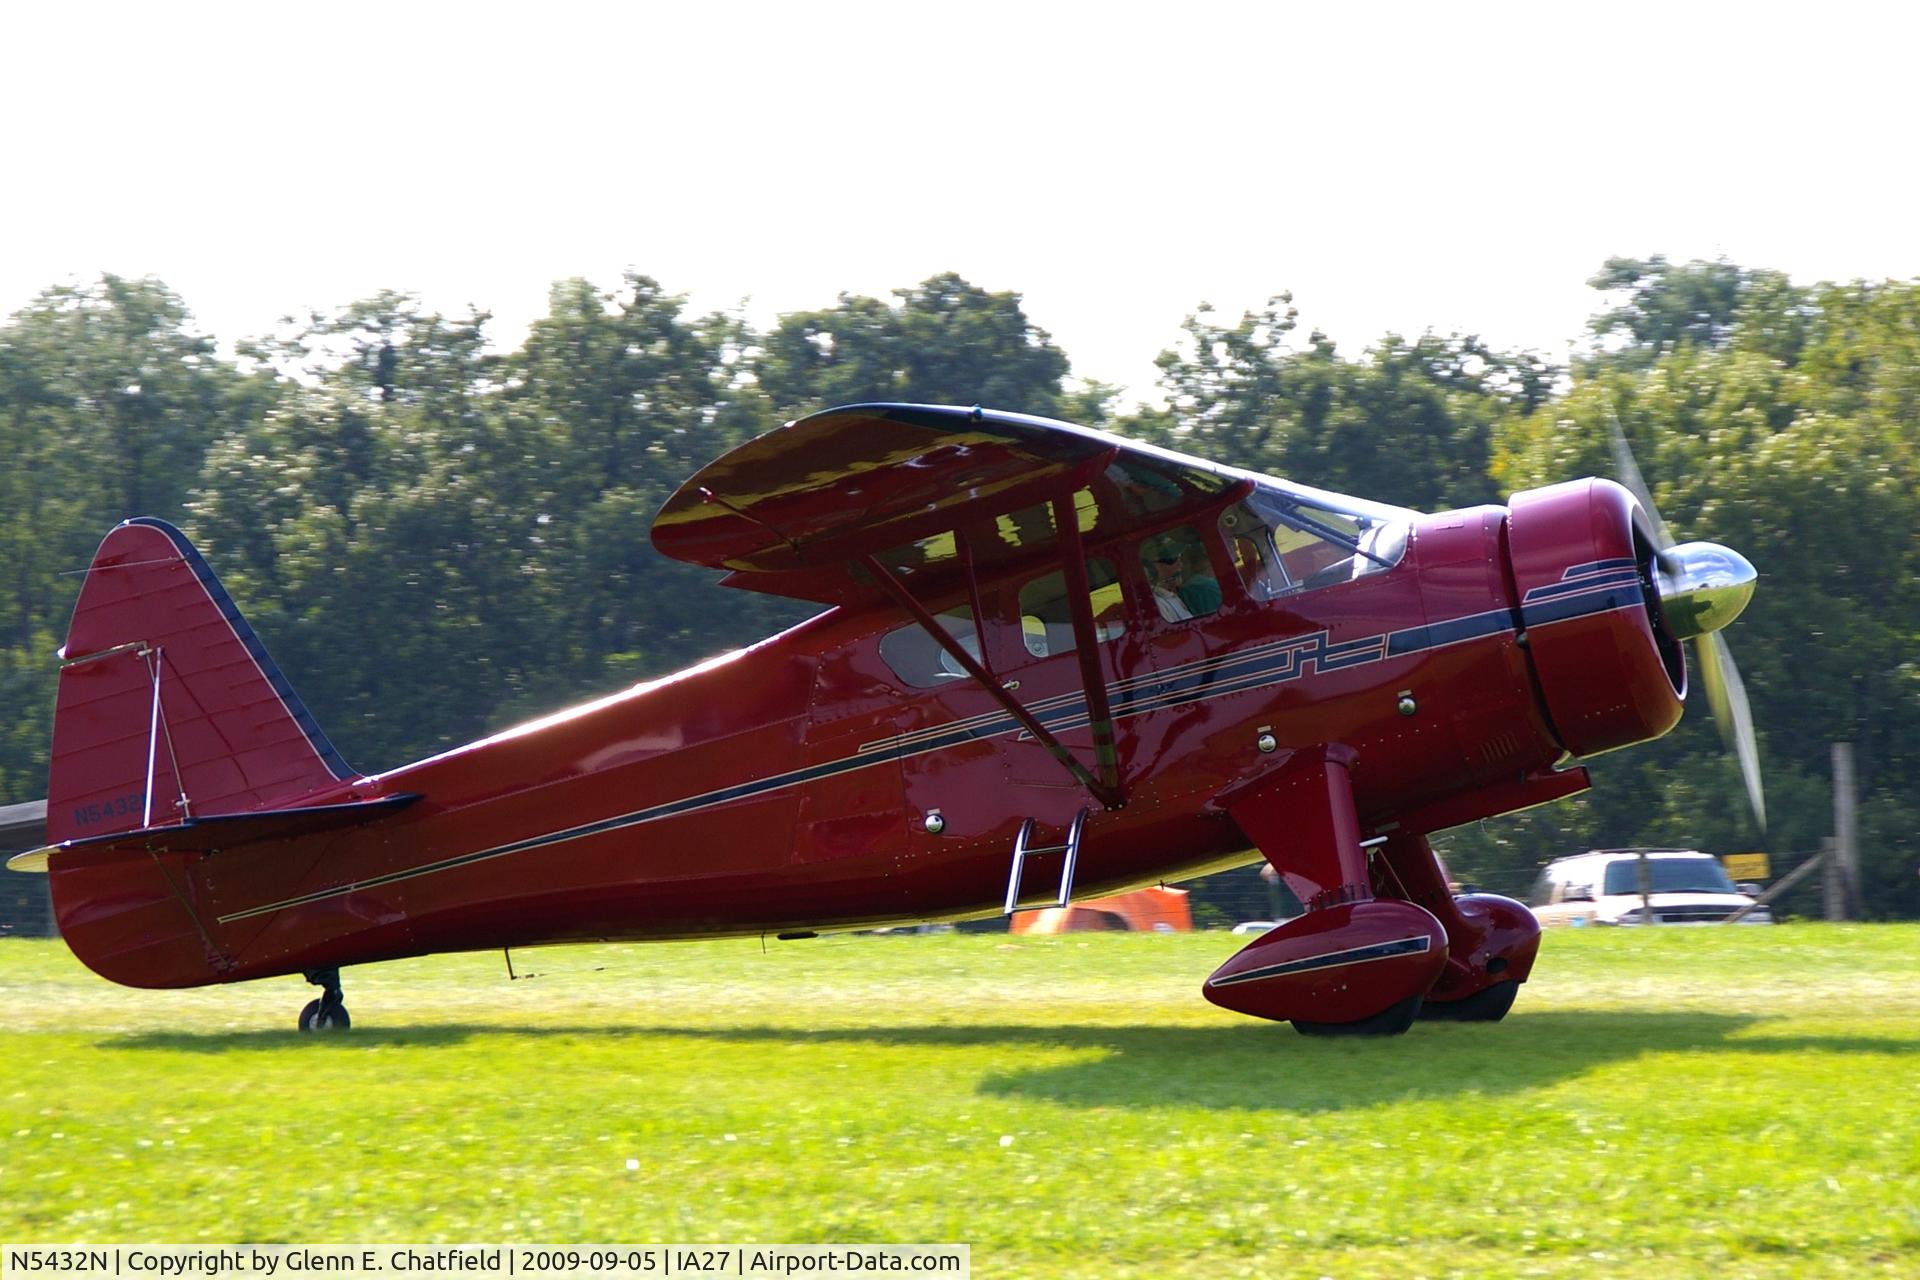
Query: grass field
1738,1102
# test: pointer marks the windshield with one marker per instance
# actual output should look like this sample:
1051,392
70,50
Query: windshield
1287,540
1669,875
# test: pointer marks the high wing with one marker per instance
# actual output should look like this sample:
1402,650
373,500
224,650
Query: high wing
792,512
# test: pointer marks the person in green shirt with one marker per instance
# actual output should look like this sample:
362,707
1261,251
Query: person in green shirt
1200,591
1183,583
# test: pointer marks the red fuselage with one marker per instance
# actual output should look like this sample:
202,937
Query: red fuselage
786,787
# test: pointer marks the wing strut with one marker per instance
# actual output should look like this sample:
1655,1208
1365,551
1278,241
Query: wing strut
1110,797
1073,561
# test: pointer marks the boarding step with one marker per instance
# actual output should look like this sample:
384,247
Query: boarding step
1023,848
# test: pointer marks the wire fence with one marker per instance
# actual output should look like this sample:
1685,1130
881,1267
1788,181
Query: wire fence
26,911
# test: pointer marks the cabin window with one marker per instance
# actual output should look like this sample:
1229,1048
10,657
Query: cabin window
919,660
1250,547
1311,558
1284,542
1143,490
1046,618
1032,528
1180,574
1027,529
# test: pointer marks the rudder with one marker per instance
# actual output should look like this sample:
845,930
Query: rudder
169,707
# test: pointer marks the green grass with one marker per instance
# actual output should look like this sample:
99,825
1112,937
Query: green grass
1737,1102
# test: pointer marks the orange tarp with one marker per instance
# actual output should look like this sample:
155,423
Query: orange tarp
1144,910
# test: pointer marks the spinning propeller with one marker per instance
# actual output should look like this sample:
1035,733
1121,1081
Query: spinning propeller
1703,586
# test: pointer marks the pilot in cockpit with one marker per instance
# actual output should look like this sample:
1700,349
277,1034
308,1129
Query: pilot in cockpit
1164,565
1183,582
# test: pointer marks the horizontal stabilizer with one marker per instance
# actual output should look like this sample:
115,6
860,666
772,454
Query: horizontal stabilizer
212,834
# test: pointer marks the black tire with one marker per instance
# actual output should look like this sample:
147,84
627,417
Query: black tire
322,1017
1391,1021
1489,1004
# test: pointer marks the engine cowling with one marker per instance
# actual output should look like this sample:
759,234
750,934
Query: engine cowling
1582,555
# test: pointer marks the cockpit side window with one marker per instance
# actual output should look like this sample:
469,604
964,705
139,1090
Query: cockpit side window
1286,542
919,661
1250,547
1046,616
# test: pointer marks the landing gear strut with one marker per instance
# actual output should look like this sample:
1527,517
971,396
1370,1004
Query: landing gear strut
1355,963
329,1012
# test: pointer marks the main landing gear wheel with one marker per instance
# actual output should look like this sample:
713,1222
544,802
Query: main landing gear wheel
329,1012
1390,1021
1490,1004
320,1016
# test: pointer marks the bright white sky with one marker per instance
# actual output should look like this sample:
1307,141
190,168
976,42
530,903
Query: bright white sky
1445,166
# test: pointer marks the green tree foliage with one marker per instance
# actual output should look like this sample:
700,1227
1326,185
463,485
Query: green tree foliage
374,509
626,397
1781,421
1409,423
1664,306
944,341
108,399
436,538
1659,307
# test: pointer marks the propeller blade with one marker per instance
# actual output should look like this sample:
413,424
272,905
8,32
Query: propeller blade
1713,660
1636,485
1728,697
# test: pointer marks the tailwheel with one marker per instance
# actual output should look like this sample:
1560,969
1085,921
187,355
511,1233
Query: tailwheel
329,1012
1390,1021
1489,1004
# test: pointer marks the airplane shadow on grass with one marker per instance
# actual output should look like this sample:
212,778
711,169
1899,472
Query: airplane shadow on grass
1255,1066
1269,1067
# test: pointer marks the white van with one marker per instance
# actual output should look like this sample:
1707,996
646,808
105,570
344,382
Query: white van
1606,886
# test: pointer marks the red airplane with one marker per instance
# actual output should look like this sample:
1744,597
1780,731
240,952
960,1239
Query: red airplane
1056,662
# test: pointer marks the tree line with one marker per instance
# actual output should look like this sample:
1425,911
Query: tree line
437,538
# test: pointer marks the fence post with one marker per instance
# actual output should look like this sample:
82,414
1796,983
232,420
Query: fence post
1846,833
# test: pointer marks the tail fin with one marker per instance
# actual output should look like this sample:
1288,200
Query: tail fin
169,707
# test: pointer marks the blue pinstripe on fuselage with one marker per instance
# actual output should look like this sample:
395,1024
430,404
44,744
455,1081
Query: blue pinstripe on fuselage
1584,590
